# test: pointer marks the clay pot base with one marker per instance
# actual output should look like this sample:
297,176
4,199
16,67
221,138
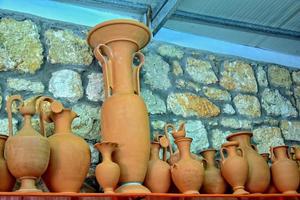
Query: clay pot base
191,192
240,190
290,192
28,185
132,189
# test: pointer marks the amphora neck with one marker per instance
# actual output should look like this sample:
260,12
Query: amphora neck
63,121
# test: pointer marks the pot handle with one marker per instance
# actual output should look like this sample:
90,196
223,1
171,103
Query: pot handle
273,158
241,150
254,147
288,153
218,163
105,56
167,136
9,102
204,163
136,72
292,152
222,153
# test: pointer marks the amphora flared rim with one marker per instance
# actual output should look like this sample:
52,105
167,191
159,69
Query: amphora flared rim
239,133
208,149
183,139
138,24
280,146
231,143
3,136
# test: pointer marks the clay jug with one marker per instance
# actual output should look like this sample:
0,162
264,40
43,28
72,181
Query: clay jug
27,153
7,180
284,170
158,177
271,189
187,173
70,154
259,173
213,181
234,167
124,116
107,172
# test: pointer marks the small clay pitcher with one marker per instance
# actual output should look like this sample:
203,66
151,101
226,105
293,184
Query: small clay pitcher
213,180
284,170
7,180
234,167
27,153
259,173
107,172
158,177
271,189
187,173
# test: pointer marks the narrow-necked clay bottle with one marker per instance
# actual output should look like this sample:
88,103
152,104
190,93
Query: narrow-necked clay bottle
234,167
259,173
158,177
107,172
271,189
213,180
187,173
27,153
285,172
70,154
7,181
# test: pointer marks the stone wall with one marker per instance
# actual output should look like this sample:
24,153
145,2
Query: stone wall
214,94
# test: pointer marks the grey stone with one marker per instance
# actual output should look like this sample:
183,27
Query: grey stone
49,127
4,126
297,92
296,77
200,71
238,76
218,137
66,84
22,49
171,51
16,84
182,84
228,109
290,130
261,77
67,48
158,124
277,105
216,94
236,123
247,105
265,137
279,77
177,69
94,154
94,89
156,72
0,98
154,103
87,124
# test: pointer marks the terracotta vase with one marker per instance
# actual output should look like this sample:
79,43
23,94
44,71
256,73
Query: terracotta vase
213,181
7,180
124,116
259,173
271,189
284,170
27,153
234,167
70,154
107,172
158,177
187,173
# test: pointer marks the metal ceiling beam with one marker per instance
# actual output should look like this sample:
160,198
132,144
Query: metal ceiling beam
228,23
163,15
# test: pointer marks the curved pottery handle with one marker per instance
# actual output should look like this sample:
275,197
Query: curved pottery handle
222,154
241,150
167,136
292,152
136,72
254,147
273,158
204,163
105,56
9,102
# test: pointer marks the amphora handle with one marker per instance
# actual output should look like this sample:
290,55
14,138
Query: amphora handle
136,72
223,158
167,126
273,157
104,55
9,102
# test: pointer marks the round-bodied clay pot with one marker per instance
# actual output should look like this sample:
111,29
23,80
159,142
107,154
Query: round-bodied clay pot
187,173
285,172
27,153
7,180
70,154
158,178
234,168
107,172
271,189
213,181
259,173
124,115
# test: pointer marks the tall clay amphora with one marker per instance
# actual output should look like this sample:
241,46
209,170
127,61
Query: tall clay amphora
70,154
158,178
27,153
259,173
271,189
187,173
234,167
7,181
285,172
107,172
124,116
213,182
